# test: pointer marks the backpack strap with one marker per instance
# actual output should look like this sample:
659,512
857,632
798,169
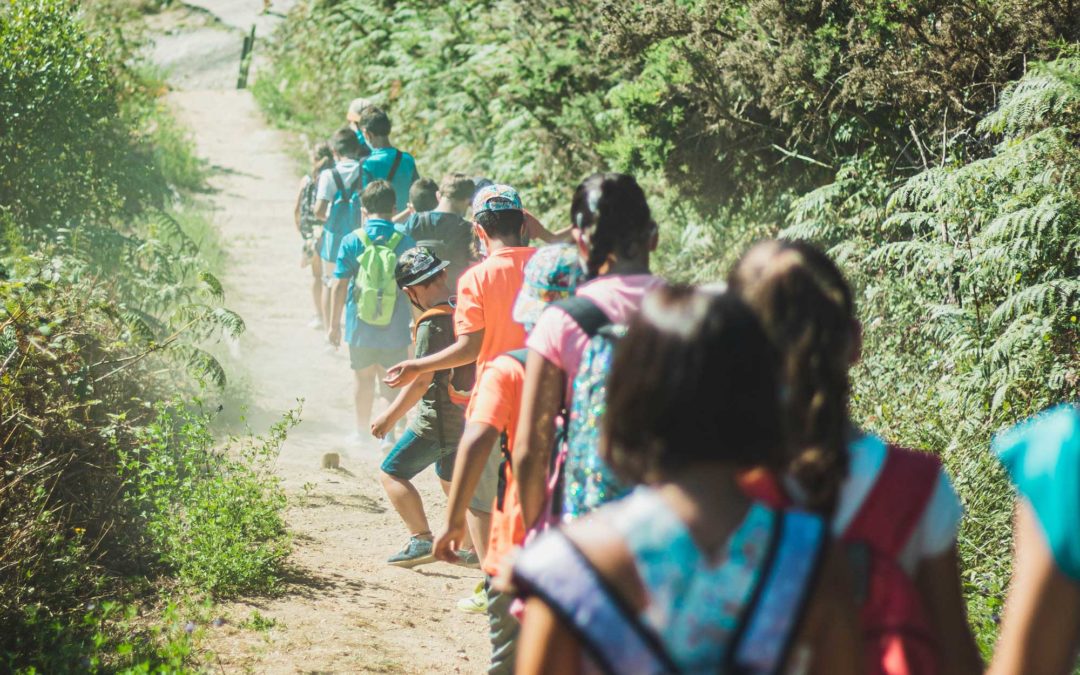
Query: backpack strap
394,240
585,313
356,186
437,310
895,505
785,584
338,181
394,166
364,238
557,572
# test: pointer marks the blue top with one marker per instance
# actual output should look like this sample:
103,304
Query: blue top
377,167
363,141
1042,456
357,333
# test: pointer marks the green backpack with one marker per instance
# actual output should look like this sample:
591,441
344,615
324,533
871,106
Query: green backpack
375,288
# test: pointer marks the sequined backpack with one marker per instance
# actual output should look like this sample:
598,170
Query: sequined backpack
588,481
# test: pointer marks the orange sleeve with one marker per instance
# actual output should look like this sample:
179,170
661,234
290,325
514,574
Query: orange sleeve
469,312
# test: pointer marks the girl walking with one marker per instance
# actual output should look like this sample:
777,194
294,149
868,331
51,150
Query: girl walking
310,227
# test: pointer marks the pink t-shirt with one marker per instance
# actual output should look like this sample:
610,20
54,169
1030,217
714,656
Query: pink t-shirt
561,341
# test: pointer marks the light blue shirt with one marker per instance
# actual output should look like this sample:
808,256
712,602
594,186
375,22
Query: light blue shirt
377,167
395,335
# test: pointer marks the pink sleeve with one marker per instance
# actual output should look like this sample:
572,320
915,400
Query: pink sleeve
556,337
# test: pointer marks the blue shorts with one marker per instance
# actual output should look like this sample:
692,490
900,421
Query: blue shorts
412,454
361,358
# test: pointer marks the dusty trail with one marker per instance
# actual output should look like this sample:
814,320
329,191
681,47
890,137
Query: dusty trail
345,610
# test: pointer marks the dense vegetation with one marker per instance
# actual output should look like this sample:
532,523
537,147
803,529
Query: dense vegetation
930,144
112,486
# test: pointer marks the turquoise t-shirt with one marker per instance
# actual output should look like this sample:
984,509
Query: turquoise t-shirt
377,167
396,334
1042,456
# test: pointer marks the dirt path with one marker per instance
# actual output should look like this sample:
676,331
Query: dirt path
346,610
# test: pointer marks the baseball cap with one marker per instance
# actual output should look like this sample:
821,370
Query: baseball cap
552,274
417,265
496,198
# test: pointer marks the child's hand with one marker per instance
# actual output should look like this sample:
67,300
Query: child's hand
334,336
401,374
381,426
448,542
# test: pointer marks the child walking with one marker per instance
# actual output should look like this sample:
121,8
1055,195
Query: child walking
615,234
376,312
552,274
686,574
431,438
310,228
895,507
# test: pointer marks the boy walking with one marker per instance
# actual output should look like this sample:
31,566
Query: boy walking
432,436
376,311
337,203
483,320
444,229
385,161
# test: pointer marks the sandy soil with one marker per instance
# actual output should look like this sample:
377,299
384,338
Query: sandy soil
344,610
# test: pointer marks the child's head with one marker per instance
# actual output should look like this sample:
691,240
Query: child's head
694,381
378,199
422,195
374,122
345,144
458,189
552,274
611,221
422,276
807,309
322,158
497,210
356,109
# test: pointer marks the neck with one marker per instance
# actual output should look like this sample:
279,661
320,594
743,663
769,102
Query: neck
379,141
447,206
621,266
440,299
708,499
380,216
495,244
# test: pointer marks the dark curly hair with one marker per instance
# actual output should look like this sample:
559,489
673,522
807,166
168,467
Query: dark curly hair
612,214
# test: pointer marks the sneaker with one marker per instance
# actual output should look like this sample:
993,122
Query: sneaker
468,558
316,324
476,603
417,552
356,439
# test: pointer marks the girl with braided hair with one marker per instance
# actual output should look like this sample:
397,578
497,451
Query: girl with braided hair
895,508
614,231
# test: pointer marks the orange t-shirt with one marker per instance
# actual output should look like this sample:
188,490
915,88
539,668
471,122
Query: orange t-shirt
495,402
485,301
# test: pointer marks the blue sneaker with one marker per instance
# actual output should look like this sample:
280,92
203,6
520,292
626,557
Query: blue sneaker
415,553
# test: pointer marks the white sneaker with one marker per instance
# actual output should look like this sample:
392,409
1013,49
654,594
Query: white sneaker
356,439
315,324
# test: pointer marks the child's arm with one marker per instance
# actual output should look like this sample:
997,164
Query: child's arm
541,400
472,454
404,215
299,200
404,402
545,644
534,229
462,352
338,295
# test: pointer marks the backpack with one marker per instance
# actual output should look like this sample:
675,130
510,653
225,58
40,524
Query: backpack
450,242
375,287
588,481
345,210
897,636
459,381
308,220
558,573
368,176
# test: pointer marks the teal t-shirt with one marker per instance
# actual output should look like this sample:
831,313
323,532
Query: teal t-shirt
395,335
1042,456
377,166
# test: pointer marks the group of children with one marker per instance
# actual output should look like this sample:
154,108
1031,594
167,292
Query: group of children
655,478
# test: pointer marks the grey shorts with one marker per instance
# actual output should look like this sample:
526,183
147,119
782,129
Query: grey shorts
484,498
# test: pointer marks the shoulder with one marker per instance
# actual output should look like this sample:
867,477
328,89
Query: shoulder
352,241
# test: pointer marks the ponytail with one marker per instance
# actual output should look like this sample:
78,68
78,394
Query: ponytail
322,159
807,310
612,215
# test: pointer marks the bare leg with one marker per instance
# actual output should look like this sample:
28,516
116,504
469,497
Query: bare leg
364,395
317,289
407,503
466,543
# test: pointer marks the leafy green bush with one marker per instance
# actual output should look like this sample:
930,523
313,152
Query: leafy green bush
212,515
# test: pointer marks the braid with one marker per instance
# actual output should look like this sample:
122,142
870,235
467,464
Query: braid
611,212
807,310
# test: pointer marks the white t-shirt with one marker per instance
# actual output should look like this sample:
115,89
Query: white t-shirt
936,531
327,189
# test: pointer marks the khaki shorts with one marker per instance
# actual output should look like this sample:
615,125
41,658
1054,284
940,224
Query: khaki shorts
484,498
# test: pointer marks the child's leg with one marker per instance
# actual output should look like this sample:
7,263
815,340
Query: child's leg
363,392
325,291
317,288
445,466
409,456
504,629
